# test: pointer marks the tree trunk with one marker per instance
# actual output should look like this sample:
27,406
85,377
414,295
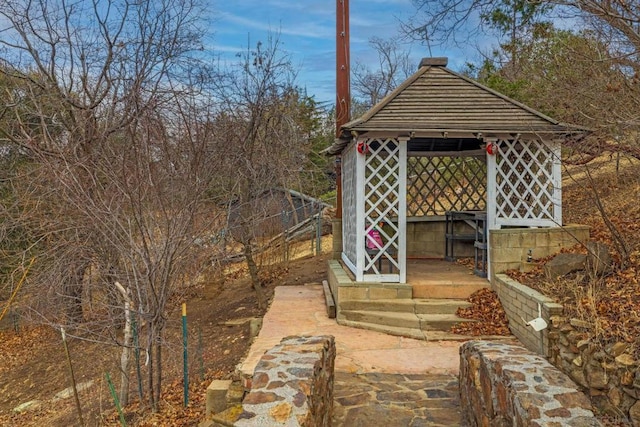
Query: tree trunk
155,363
73,294
158,383
153,401
126,346
617,237
253,273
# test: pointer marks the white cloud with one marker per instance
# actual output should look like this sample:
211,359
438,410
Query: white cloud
307,33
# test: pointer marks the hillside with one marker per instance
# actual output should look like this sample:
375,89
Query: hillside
612,302
33,364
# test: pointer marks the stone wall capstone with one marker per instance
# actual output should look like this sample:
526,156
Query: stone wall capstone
507,385
292,384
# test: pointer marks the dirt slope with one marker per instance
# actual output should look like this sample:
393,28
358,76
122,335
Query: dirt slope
33,365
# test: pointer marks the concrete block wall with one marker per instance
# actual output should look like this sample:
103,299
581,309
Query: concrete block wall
509,248
521,302
336,231
292,385
507,385
343,288
427,239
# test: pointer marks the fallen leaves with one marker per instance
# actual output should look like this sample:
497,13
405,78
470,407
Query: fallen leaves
486,309
612,302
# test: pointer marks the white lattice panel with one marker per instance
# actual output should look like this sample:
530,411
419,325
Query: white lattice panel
384,181
349,205
438,184
527,184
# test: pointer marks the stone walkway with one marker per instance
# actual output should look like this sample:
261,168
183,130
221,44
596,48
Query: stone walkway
365,400
381,380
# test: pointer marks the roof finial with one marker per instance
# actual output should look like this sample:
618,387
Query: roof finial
438,61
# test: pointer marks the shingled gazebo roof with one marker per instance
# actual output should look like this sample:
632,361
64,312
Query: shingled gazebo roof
436,101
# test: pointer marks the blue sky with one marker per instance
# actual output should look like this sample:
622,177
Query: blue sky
307,34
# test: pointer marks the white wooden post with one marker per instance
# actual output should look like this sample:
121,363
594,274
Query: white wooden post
491,191
359,214
557,183
491,205
402,214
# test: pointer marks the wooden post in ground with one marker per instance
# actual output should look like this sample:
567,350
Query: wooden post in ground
73,378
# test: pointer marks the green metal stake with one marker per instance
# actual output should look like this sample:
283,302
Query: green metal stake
185,366
112,390
15,318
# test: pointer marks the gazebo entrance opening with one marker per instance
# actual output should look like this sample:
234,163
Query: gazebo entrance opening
446,200
421,180
438,198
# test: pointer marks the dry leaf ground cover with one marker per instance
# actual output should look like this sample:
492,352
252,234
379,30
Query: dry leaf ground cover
487,310
612,302
33,364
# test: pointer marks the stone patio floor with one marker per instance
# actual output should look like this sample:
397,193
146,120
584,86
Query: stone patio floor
381,380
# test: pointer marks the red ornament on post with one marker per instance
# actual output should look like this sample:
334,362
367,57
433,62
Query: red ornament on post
362,147
492,148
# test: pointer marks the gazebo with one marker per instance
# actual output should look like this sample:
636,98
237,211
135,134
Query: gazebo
436,167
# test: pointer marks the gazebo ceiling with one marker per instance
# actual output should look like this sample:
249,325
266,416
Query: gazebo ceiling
439,145
436,102
443,144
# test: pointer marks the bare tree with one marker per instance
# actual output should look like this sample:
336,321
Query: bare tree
439,22
264,139
109,113
615,21
393,67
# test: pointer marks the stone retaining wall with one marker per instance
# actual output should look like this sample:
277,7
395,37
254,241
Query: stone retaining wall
292,384
611,375
507,385
521,302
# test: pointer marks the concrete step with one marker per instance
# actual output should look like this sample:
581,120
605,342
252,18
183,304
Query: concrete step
446,290
440,306
423,322
440,322
395,305
395,319
391,330
417,306
418,334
